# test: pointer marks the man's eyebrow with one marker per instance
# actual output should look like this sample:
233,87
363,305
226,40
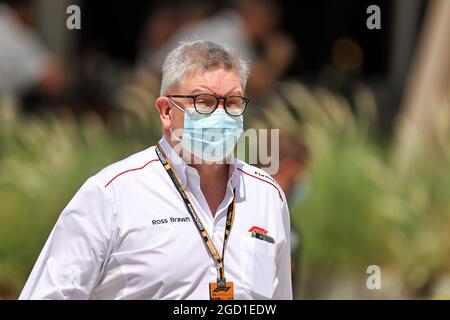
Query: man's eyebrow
202,89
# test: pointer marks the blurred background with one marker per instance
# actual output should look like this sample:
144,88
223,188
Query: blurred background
364,119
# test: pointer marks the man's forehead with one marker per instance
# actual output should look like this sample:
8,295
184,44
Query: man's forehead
216,81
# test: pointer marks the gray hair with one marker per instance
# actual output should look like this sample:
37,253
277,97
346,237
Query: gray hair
200,55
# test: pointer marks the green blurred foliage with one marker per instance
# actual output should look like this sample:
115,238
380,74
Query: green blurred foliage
43,163
364,207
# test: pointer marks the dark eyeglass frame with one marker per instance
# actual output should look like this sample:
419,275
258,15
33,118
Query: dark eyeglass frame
195,96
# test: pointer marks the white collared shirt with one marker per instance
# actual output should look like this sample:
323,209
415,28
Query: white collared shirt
126,234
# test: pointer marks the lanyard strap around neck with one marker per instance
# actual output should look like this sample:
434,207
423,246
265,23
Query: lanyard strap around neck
198,223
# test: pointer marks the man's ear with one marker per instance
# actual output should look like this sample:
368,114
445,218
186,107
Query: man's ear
162,105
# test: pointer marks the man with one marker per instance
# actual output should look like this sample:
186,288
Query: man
180,220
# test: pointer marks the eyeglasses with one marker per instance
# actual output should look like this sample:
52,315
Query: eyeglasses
206,103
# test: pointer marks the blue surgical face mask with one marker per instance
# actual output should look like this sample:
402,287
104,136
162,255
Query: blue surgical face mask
210,137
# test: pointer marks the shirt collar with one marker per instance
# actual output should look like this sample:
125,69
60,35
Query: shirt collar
177,163
186,172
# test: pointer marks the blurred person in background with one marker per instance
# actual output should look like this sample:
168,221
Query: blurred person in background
26,65
249,26
163,22
130,101
292,177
